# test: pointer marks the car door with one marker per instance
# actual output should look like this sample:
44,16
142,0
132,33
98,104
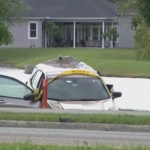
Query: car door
36,82
36,78
12,93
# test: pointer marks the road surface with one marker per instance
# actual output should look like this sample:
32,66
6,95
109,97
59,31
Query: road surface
73,137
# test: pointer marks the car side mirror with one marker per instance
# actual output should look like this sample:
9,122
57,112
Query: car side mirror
110,87
29,97
117,94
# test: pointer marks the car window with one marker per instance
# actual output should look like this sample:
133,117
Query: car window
40,84
36,78
80,88
12,88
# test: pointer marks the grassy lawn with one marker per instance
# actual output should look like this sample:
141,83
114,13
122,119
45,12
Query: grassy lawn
31,146
110,62
84,118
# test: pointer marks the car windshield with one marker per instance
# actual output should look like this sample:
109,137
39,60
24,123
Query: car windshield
77,89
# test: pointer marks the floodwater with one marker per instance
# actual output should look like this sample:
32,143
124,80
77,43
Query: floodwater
135,92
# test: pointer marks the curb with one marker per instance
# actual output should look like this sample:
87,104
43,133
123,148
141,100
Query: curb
65,111
3,65
76,126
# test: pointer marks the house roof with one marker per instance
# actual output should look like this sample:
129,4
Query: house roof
71,8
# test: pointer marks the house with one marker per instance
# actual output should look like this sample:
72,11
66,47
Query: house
78,20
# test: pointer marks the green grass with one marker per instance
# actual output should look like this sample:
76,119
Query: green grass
110,62
84,118
31,146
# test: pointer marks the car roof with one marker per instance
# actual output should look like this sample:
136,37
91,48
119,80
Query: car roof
58,65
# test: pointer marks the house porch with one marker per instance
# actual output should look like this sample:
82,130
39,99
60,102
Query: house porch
88,34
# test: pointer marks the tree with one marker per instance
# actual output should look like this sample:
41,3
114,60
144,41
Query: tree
142,42
125,5
144,10
51,30
11,12
110,34
141,25
5,35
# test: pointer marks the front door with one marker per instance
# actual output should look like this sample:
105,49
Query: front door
12,92
95,33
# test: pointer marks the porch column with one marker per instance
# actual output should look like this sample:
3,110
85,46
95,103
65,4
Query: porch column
112,37
74,34
103,42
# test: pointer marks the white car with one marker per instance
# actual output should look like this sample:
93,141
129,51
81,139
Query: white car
72,85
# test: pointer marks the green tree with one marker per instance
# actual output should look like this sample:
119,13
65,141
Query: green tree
141,25
110,34
142,42
126,5
11,12
51,30
144,10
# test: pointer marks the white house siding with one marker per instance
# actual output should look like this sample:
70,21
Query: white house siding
125,32
21,35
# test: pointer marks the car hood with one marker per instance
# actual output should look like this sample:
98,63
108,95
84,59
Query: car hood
83,105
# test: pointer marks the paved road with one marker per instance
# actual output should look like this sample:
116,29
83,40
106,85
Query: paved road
38,110
73,137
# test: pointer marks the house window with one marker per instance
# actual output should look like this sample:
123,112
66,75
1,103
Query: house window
76,34
87,34
101,33
64,33
95,32
68,34
115,39
33,30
